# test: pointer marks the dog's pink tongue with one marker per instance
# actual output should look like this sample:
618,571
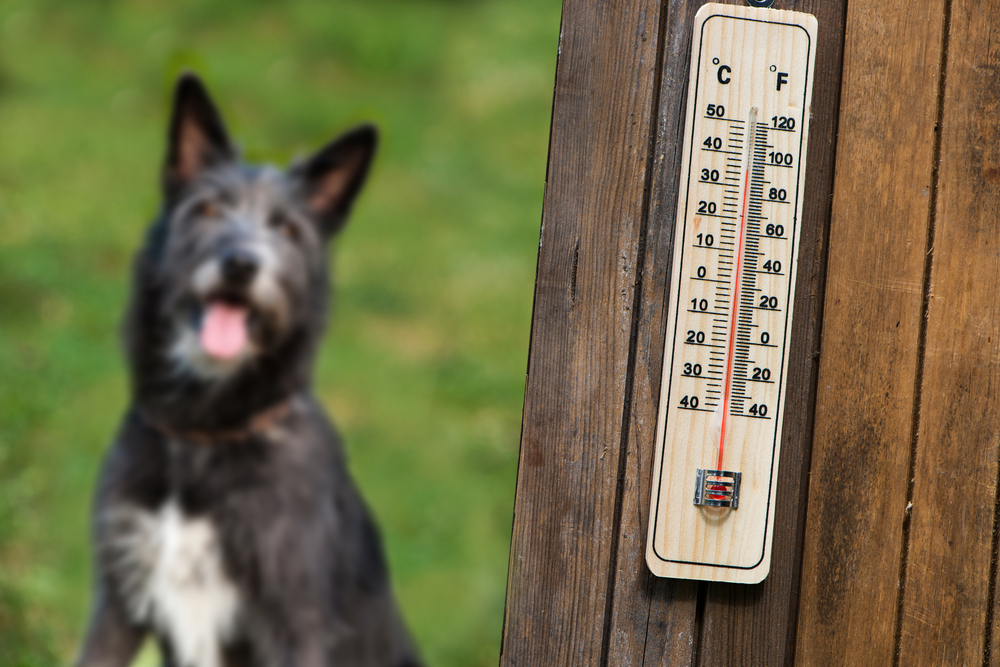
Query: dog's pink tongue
224,330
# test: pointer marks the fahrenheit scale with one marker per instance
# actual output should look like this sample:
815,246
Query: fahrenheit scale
730,301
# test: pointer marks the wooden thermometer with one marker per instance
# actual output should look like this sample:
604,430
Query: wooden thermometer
725,363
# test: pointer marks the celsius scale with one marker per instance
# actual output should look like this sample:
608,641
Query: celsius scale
729,322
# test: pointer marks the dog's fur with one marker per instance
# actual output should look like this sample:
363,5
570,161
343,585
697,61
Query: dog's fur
225,521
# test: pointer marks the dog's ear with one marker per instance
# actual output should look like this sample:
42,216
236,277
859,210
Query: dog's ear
198,139
329,181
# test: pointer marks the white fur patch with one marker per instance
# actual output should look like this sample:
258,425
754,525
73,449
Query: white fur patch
173,579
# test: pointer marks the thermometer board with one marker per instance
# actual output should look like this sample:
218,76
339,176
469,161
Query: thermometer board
730,300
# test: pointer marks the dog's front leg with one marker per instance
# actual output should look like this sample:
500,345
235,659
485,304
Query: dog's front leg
112,641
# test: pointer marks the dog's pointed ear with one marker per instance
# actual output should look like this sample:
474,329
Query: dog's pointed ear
198,140
330,180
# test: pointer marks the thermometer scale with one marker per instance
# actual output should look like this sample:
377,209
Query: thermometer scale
731,294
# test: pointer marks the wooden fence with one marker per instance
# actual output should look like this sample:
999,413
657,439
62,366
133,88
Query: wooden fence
886,534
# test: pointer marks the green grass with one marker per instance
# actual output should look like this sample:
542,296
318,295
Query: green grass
423,367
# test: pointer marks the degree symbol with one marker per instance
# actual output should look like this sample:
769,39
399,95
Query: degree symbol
773,68
715,61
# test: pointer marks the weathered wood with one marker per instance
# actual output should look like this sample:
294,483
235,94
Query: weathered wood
578,590
865,397
954,491
760,622
564,534
653,620
644,612
976,112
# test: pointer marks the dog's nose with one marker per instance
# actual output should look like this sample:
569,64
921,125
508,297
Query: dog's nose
239,266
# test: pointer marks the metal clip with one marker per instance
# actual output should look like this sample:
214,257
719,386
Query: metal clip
717,488
760,3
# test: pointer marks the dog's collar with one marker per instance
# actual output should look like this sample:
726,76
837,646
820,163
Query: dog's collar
257,424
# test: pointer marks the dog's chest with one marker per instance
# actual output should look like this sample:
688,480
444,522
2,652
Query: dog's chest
171,573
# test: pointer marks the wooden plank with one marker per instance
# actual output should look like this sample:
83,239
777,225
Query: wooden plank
563,535
654,620
873,307
758,623
954,494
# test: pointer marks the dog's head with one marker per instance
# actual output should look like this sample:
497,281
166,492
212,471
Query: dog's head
239,253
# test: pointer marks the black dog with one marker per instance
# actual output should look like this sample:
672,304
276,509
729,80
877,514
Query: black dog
225,521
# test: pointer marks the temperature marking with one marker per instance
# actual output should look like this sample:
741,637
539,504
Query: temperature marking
730,298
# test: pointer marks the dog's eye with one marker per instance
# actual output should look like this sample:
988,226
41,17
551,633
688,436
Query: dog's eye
208,209
284,225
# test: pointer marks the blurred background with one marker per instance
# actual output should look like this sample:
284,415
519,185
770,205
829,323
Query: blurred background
423,367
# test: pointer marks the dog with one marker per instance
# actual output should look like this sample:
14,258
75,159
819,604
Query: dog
225,522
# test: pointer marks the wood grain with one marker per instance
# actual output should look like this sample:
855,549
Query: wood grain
760,622
866,387
654,621
578,590
564,533
954,494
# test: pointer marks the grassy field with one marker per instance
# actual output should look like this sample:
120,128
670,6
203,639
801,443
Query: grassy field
423,368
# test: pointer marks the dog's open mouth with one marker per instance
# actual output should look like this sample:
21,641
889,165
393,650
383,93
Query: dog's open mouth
219,333
224,330
225,325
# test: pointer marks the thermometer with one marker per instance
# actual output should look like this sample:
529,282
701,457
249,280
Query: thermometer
731,294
